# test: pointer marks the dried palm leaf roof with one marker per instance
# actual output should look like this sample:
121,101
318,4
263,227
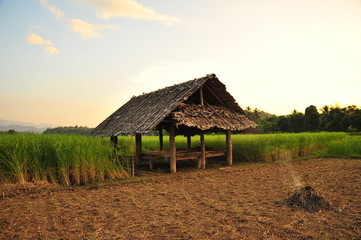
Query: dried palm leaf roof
144,113
205,117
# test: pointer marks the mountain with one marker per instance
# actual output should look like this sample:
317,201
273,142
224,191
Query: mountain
19,128
11,122
6,125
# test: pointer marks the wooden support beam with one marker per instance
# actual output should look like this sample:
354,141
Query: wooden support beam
172,149
229,147
202,159
201,100
189,141
220,101
161,146
132,164
138,149
114,140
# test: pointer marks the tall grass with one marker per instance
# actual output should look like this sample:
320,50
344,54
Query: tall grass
259,147
348,147
64,159
73,159
272,147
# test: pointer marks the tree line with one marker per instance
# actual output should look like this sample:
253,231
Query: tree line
328,118
69,130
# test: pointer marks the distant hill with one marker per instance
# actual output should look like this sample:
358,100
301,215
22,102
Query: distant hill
6,125
19,128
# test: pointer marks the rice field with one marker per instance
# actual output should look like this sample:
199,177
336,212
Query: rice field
348,147
76,160
63,159
259,147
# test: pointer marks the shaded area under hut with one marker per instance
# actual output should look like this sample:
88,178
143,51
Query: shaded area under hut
195,107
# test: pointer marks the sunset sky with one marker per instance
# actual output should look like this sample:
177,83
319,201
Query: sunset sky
74,62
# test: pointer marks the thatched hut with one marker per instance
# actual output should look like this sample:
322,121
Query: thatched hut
190,108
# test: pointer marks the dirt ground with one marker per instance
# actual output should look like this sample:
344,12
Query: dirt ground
245,201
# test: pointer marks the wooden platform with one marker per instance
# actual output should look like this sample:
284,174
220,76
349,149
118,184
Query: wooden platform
181,154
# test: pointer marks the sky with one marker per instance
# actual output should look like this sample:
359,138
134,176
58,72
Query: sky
74,62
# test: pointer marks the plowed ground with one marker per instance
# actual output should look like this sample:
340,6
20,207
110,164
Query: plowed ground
245,201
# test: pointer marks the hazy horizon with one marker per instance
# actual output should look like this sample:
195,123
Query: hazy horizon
72,63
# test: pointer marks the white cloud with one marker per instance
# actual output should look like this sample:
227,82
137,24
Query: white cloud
33,38
128,8
36,39
88,30
53,9
52,50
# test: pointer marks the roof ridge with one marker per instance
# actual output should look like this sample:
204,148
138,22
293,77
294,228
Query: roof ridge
208,76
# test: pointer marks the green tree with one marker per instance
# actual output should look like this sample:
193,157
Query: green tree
311,119
268,125
282,124
253,114
325,112
69,130
295,122
352,109
352,119
334,120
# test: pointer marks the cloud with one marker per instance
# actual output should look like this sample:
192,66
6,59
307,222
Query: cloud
52,50
88,30
128,8
32,38
53,9
36,39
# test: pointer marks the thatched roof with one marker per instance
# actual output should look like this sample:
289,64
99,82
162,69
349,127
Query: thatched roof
146,112
205,117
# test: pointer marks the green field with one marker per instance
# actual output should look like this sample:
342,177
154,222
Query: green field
259,147
348,147
73,159
64,159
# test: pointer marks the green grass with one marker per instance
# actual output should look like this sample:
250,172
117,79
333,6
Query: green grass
64,159
272,147
258,147
348,147
73,159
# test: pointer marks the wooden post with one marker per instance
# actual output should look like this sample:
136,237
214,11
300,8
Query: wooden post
229,147
161,147
201,100
114,140
172,149
132,163
138,149
202,159
189,141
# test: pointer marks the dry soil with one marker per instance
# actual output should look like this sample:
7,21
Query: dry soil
246,201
